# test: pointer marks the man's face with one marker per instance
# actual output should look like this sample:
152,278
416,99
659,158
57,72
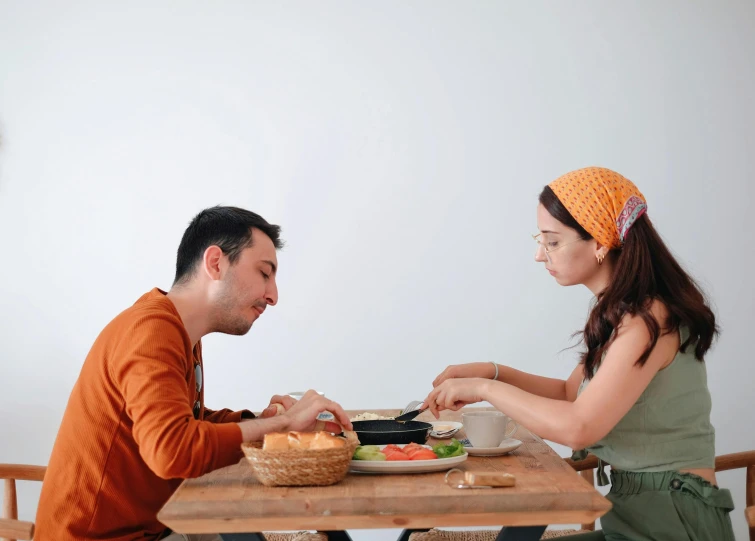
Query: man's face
247,287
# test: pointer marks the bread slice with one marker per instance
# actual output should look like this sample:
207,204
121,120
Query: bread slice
275,442
300,440
323,440
351,436
278,441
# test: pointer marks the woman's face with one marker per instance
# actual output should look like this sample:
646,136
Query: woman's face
569,259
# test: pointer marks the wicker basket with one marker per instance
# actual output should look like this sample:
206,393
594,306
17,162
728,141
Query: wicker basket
299,467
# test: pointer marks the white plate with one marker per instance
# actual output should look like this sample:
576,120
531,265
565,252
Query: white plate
443,426
406,466
506,447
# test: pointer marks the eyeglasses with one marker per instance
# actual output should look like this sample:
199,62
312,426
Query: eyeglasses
198,377
549,247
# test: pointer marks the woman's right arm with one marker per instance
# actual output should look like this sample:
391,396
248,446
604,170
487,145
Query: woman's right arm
557,389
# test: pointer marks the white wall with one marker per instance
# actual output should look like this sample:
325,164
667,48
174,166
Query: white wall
400,145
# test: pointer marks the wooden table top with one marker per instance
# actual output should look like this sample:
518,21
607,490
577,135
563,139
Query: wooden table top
547,491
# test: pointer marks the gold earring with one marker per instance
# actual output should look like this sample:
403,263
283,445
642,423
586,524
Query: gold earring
600,258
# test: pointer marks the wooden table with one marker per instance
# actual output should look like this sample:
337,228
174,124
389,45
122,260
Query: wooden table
231,501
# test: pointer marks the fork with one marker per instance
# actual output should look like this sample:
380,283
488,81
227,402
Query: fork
413,405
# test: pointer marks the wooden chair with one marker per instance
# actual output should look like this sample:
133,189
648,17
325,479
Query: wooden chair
586,469
11,528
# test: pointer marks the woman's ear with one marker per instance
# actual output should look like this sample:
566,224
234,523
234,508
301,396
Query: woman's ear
600,253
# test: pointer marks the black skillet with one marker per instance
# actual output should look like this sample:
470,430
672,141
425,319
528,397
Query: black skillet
383,432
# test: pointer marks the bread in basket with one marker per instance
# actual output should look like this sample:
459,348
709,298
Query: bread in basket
300,458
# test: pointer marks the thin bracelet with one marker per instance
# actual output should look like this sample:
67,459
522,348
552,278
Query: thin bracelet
496,370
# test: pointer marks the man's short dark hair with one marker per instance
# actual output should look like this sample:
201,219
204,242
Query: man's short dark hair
229,228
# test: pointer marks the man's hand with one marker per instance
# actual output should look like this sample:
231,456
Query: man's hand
302,416
278,405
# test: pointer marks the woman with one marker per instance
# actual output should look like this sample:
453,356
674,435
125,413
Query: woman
638,399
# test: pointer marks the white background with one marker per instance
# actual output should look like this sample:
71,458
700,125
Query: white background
400,145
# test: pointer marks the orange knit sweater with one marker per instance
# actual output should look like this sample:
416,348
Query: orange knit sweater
128,435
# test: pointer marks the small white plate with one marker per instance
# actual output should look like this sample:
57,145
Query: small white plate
506,447
447,428
406,466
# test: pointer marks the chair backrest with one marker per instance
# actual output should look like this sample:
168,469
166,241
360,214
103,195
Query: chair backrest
746,460
11,528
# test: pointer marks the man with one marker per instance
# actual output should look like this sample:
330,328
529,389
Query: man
136,425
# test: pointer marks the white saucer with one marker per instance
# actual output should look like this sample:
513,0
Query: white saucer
447,429
506,447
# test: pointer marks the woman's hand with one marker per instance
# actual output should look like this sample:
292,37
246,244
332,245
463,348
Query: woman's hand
467,370
454,394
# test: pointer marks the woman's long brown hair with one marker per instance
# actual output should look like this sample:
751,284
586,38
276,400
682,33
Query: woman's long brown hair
644,271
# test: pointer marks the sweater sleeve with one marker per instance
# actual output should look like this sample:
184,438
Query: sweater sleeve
227,416
149,367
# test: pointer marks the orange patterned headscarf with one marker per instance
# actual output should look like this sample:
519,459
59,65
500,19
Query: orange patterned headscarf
602,201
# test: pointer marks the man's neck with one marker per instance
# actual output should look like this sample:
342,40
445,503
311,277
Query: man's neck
191,305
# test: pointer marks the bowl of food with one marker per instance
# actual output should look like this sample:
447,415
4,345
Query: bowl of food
369,416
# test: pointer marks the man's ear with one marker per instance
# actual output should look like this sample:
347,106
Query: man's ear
212,264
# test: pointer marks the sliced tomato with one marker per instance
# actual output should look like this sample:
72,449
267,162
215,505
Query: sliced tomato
398,455
391,447
412,446
425,454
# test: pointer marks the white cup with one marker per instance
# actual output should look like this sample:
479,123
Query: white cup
487,428
298,394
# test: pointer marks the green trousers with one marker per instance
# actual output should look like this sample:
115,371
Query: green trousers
663,506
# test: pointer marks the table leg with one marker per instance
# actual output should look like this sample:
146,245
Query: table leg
521,533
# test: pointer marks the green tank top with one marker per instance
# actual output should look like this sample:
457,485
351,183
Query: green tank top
668,428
